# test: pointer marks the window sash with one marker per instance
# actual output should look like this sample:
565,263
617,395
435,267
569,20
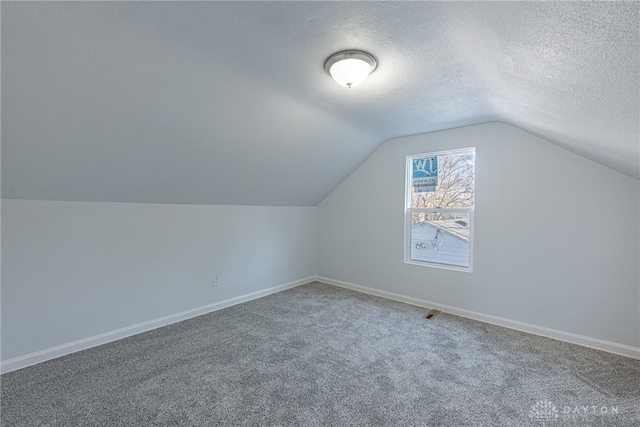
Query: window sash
409,212
447,211
409,169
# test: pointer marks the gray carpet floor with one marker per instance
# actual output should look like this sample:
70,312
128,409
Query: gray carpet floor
318,355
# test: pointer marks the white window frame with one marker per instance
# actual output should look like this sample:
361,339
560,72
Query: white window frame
409,211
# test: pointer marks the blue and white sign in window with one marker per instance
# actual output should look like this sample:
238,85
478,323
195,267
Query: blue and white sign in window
424,174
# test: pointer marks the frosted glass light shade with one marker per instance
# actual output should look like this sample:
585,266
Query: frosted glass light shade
349,68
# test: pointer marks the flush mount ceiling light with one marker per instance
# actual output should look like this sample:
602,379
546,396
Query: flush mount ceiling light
350,67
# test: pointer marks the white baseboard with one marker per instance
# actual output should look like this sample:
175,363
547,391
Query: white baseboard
86,343
93,341
598,344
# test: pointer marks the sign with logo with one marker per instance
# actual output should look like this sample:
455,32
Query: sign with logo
424,174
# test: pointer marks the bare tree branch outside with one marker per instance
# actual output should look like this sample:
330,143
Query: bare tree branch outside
455,188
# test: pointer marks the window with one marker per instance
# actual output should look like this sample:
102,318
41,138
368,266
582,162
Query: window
439,204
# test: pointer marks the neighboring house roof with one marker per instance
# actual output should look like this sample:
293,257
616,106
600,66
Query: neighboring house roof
451,247
457,228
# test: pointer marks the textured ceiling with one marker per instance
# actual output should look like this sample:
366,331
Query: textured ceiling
228,102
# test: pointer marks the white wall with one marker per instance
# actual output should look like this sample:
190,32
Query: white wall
72,270
556,235
556,245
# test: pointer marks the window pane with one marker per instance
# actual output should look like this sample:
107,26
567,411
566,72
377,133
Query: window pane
454,181
440,238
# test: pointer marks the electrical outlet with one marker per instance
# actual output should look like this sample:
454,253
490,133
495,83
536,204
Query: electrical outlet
216,280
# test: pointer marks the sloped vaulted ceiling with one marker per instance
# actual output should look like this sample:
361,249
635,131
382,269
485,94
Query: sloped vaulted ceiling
228,102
